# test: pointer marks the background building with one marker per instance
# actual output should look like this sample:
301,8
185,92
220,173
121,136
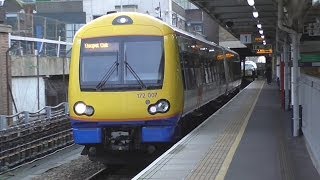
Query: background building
178,13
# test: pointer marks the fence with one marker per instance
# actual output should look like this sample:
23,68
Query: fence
46,35
26,117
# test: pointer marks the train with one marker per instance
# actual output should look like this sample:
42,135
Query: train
133,78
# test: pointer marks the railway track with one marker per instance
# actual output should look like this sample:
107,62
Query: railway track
24,143
97,175
117,172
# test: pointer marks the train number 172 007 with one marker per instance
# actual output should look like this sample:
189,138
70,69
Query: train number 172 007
147,95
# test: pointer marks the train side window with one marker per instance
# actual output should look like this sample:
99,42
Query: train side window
202,69
207,72
195,67
183,70
181,46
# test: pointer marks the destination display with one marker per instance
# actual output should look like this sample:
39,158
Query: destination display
99,45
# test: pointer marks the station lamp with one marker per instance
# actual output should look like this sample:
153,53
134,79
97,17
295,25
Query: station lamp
250,2
262,36
255,13
264,42
2,3
259,26
261,31
315,2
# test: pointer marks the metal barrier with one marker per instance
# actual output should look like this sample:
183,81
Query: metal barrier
311,83
309,90
49,37
25,117
33,135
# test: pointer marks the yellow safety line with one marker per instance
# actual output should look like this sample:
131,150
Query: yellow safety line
226,163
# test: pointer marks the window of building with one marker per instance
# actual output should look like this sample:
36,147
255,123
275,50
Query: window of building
71,30
174,19
127,8
181,24
198,28
96,16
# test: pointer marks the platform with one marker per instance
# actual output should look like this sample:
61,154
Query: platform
248,138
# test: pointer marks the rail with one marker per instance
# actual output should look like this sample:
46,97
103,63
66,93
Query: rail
25,117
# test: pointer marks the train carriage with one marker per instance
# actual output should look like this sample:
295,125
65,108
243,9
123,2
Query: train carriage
133,78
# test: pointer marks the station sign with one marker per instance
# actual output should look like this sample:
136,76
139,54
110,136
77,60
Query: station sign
228,56
258,40
246,38
264,51
261,46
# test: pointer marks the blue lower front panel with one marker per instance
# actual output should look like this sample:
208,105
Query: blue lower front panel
158,134
87,135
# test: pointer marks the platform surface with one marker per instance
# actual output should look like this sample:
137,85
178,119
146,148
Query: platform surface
246,139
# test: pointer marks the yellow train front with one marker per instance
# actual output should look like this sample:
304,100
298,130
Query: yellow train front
125,85
133,78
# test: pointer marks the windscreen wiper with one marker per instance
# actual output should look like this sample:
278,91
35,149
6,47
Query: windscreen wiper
108,74
135,75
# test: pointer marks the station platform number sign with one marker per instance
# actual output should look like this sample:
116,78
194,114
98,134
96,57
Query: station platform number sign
246,38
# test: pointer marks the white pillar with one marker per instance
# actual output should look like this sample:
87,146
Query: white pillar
295,37
170,11
286,73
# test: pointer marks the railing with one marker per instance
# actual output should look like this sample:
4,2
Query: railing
48,36
29,136
21,45
26,117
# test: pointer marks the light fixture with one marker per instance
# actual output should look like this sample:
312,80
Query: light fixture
250,2
262,36
255,13
264,43
123,20
81,108
259,26
162,106
261,31
2,3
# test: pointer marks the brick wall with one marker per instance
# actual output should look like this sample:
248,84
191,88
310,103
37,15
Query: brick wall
4,45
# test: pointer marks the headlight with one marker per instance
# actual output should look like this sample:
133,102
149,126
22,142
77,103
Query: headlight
152,109
89,111
162,106
81,108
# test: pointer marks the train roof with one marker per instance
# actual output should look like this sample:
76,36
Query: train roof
140,18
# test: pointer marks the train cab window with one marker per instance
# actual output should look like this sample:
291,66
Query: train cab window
93,67
148,67
116,63
97,57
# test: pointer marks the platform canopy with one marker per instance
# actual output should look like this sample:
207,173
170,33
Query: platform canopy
236,16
